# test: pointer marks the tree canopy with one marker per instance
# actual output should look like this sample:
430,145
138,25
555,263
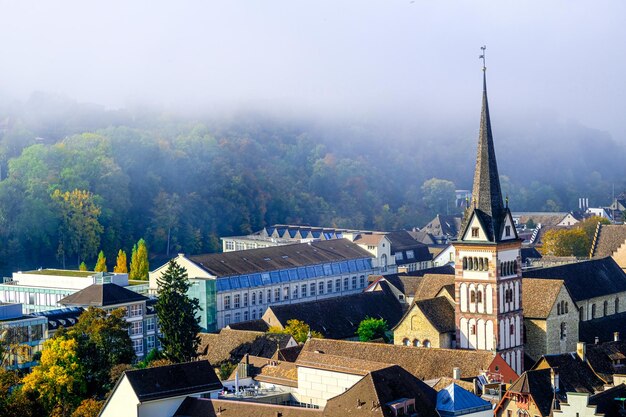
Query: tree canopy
372,329
298,329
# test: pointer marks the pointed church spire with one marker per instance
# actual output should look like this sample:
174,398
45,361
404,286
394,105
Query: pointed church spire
486,191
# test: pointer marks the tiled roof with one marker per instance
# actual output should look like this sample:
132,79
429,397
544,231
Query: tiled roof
402,240
529,253
574,374
430,285
232,345
368,239
423,236
270,371
443,225
173,380
423,363
289,354
605,401
204,407
606,359
439,270
279,257
602,328
441,383
539,296
538,384
609,238
341,364
440,313
588,279
339,317
372,394
102,295
251,325
540,217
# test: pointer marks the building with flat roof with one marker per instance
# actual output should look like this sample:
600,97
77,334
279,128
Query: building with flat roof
24,336
239,286
42,289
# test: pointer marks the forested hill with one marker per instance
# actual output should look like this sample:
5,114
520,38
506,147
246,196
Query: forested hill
148,173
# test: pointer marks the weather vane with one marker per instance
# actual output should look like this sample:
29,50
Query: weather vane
482,56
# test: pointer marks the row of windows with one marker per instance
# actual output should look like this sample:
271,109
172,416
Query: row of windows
137,327
353,266
152,342
416,342
508,268
475,264
297,291
593,313
562,308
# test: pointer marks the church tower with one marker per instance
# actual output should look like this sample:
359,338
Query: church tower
488,279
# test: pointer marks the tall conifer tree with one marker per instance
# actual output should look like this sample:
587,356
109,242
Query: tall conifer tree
121,264
177,314
139,266
101,264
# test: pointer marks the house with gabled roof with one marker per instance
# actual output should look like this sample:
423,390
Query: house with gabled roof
535,393
159,391
610,240
339,317
597,286
550,318
142,322
427,323
423,363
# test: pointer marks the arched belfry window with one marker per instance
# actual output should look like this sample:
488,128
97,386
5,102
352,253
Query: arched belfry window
464,262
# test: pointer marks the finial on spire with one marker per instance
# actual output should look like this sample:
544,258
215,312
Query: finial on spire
482,56
507,201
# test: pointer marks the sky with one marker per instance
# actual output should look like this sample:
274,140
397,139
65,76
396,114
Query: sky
346,58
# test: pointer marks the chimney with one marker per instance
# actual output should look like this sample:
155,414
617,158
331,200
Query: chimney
554,379
616,337
581,350
456,373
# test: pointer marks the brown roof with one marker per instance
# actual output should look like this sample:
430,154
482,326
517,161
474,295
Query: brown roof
368,239
251,325
539,296
423,363
279,257
372,394
335,363
543,218
441,383
430,285
231,345
271,371
369,397
289,354
439,311
609,238
204,407
339,317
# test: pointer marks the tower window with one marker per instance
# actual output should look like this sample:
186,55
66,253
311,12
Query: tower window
479,297
473,296
507,231
563,331
474,231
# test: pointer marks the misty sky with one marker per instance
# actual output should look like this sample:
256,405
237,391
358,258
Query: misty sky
340,57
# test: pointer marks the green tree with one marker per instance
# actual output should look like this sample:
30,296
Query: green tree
439,195
102,342
58,381
371,329
88,408
80,230
121,263
177,314
139,267
565,242
101,264
82,266
298,329
166,212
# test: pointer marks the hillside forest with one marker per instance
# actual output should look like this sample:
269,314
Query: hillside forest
76,179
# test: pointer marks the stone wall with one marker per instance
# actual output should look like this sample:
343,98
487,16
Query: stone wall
415,326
